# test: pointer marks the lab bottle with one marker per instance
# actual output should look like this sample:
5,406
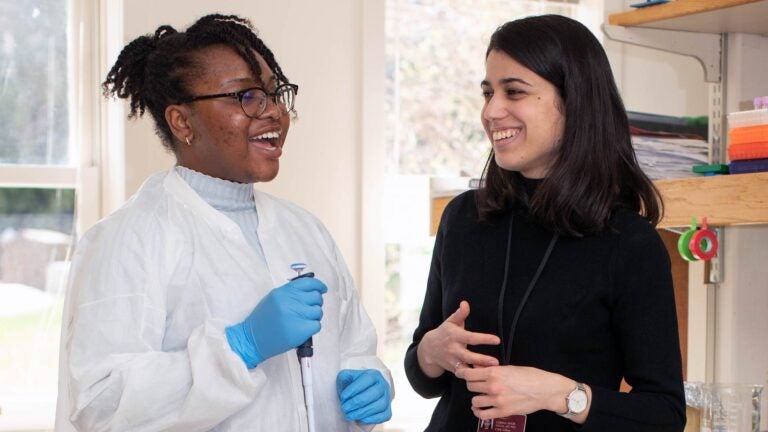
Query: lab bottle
731,408
694,405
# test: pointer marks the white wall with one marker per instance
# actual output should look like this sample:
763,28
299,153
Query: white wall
653,81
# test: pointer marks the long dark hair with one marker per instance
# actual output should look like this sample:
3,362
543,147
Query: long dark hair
155,71
595,170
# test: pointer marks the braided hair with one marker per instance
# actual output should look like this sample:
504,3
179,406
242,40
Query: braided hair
154,71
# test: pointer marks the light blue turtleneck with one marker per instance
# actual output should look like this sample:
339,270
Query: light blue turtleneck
235,200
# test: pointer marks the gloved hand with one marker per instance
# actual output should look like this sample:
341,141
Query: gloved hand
364,395
284,319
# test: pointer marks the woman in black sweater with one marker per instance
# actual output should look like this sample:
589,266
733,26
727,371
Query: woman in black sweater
569,283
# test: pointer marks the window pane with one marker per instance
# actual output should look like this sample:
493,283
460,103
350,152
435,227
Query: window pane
435,54
35,236
33,82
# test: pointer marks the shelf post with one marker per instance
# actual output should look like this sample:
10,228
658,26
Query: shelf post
713,268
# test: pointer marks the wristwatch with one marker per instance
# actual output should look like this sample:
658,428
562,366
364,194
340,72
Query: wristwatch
576,401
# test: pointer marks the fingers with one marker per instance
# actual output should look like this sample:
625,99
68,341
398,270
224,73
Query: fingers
308,284
311,298
460,315
344,378
368,402
479,387
378,418
482,402
364,396
442,348
312,313
378,411
472,338
487,414
361,382
469,358
466,337
474,374
296,333
313,328
482,360
301,302
484,407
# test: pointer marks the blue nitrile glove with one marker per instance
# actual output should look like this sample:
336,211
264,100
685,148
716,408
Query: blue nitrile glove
284,319
364,395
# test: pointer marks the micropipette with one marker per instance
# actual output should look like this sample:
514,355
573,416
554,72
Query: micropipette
304,352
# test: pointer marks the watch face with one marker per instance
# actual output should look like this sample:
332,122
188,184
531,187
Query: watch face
577,401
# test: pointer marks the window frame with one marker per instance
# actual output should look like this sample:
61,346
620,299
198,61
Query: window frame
84,172
85,122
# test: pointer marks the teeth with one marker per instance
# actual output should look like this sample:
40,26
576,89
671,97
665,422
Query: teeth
506,133
267,135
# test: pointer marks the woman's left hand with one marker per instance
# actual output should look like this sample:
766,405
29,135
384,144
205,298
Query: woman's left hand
364,395
508,390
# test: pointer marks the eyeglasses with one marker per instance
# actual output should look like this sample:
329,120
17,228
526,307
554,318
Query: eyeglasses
253,100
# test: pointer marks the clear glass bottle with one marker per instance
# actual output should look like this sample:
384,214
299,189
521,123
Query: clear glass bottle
731,408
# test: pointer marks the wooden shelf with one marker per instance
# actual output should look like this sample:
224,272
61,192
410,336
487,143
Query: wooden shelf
738,199
727,200
704,16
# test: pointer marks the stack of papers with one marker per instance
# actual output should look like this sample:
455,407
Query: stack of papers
669,158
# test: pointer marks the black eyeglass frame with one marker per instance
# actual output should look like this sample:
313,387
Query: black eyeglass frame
239,96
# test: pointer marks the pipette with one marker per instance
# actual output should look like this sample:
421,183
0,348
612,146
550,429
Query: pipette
304,351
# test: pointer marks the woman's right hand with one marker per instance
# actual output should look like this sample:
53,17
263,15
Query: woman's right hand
283,320
445,347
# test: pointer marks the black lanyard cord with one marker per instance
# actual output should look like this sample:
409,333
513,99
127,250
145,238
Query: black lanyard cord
507,347
504,287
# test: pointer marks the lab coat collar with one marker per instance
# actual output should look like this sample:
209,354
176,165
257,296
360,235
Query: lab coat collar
265,207
177,187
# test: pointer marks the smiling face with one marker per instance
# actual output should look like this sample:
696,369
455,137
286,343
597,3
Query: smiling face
522,116
225,143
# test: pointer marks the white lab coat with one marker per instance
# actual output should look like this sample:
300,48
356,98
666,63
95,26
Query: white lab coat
151,290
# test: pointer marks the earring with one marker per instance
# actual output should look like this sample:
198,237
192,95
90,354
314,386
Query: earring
188,142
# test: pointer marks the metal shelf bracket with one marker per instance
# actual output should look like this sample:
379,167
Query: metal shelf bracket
714,268
704,47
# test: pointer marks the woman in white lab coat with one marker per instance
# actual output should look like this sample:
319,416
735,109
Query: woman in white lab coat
180,314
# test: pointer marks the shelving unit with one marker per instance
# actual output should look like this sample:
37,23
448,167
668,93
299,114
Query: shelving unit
726,333
677,26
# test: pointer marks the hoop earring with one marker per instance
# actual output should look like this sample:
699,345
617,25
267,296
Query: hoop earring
188,142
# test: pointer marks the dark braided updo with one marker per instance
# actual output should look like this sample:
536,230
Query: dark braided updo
155,71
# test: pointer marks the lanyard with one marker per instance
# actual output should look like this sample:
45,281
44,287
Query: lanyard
506,348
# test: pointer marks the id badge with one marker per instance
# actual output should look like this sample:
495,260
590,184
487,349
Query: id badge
514,423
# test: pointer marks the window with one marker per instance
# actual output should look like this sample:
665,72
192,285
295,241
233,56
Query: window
42,149
434,59
34,240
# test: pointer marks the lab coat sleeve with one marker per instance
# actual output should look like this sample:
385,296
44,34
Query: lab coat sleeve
358,335
119,377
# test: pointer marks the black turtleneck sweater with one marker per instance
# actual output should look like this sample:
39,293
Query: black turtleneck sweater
602,309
